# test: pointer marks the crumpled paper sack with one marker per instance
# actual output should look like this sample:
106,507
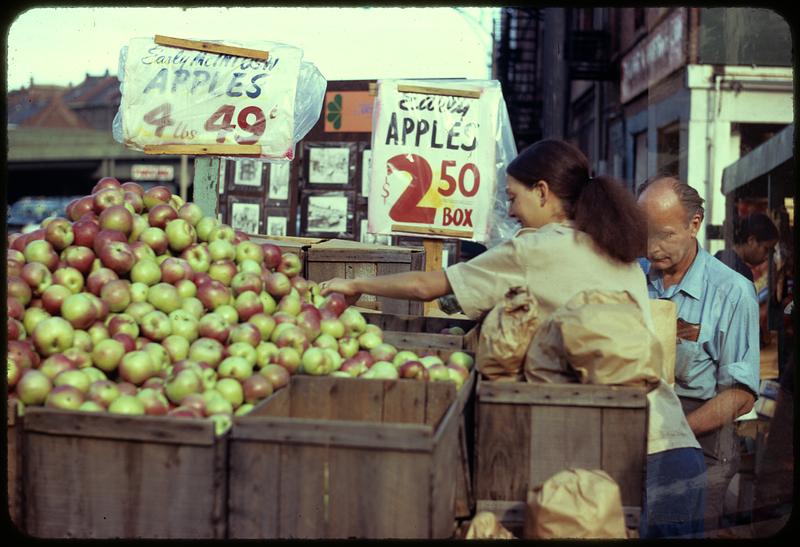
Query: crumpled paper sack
505,334
575,503
486,526
597,337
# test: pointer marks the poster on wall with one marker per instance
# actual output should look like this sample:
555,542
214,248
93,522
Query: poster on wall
248,172
277,224
433,158
327,214
329,164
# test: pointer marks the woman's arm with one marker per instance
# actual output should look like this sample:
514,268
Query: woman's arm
415,285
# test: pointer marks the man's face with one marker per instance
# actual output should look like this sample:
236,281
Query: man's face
670,235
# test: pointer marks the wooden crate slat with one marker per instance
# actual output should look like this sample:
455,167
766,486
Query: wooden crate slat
554,446
14,464
403,339
100,488
125,428
563,394
624,436
444,476
374,490
356,399
249,517
396,305
502,456
322,271
302,504
404,402
276,404
438,399
397,255
396,436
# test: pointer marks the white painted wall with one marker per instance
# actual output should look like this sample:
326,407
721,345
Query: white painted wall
738,95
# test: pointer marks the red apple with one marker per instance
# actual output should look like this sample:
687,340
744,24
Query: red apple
104,237
160,215
59,233
41,251
37,276
19,289
79,257
105,182
156,195
85,232
134,187
175,269
156,239
117,256
272,255
117,218
98,278
107,197
278,285
335,303
290,264
52,298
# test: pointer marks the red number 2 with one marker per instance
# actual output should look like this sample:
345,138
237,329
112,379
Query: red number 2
406,208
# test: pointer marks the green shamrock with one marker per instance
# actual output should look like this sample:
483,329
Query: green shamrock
335,111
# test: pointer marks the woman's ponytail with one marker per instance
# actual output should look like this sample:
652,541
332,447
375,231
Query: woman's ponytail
610,215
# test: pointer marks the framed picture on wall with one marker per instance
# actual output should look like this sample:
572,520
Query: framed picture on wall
327,214
329,164
277,222
247,176
366,171
363,234
245,214
279,181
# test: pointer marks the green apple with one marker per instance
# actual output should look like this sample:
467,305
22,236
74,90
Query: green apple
164,297
204,227
244,350
127,404
139,291
146,271
232,390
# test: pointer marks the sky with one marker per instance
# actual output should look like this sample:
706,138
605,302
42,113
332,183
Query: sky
343,43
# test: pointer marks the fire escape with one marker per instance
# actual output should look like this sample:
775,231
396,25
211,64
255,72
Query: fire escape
518,71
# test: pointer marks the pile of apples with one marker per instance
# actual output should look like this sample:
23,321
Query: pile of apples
137,304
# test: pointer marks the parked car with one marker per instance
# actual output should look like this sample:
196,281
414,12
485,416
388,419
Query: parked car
26,214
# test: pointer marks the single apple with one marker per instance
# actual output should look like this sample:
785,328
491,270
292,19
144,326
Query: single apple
33,387
277,375
290,264
266,352
64,397
136,367
73,377
146,271
231,389
206,350
108,354
59,234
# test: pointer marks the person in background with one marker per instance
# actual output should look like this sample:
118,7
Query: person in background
717,356
754,237
579,233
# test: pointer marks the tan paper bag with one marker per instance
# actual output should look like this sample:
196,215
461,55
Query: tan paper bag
665,316
505,334
486,526
575,503
597,337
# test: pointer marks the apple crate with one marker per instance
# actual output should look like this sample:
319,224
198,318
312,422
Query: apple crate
14,462
330,457
526,432
350,260
90,475
290,244
424,331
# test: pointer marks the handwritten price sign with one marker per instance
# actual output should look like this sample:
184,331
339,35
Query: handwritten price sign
433,159
173,96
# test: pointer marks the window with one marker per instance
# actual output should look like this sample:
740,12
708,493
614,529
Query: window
639,158
669,142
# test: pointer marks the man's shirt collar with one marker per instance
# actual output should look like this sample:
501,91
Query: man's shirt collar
693,280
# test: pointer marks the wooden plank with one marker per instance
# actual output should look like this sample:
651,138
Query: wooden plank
433,263
379,494
403,339
432,231
14,464
561,438
152,429
310,399
464,499
356,399
276,404
393,305
104,488
439,396
404,401
204,149
502,454
303,504
396,436
564,394
430,90
624,451
444,475
254,499
210,47
322,271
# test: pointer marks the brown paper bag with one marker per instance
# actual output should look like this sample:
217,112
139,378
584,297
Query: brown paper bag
505,334
486,526
665,316
575,503
597,337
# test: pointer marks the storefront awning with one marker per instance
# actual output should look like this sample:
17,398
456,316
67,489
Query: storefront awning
765,158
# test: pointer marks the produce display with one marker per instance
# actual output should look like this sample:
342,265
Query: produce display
137,304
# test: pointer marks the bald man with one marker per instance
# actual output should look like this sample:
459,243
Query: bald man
717,354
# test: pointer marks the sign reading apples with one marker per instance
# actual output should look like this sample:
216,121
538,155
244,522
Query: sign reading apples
433,158
172,95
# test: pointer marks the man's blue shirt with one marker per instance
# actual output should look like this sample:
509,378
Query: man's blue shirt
723,303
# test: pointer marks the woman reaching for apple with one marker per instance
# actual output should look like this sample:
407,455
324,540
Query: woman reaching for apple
579,233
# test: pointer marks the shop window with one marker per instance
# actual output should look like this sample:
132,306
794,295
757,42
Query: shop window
669,141
639,158
753,134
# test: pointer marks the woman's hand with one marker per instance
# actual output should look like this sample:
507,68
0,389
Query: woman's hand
346,287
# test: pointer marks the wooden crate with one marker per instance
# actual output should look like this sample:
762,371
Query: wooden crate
527,432
92,475
14,462
350,259
424,331
290,244
330,457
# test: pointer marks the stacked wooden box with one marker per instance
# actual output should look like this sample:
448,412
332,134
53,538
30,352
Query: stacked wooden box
90,475
332,457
